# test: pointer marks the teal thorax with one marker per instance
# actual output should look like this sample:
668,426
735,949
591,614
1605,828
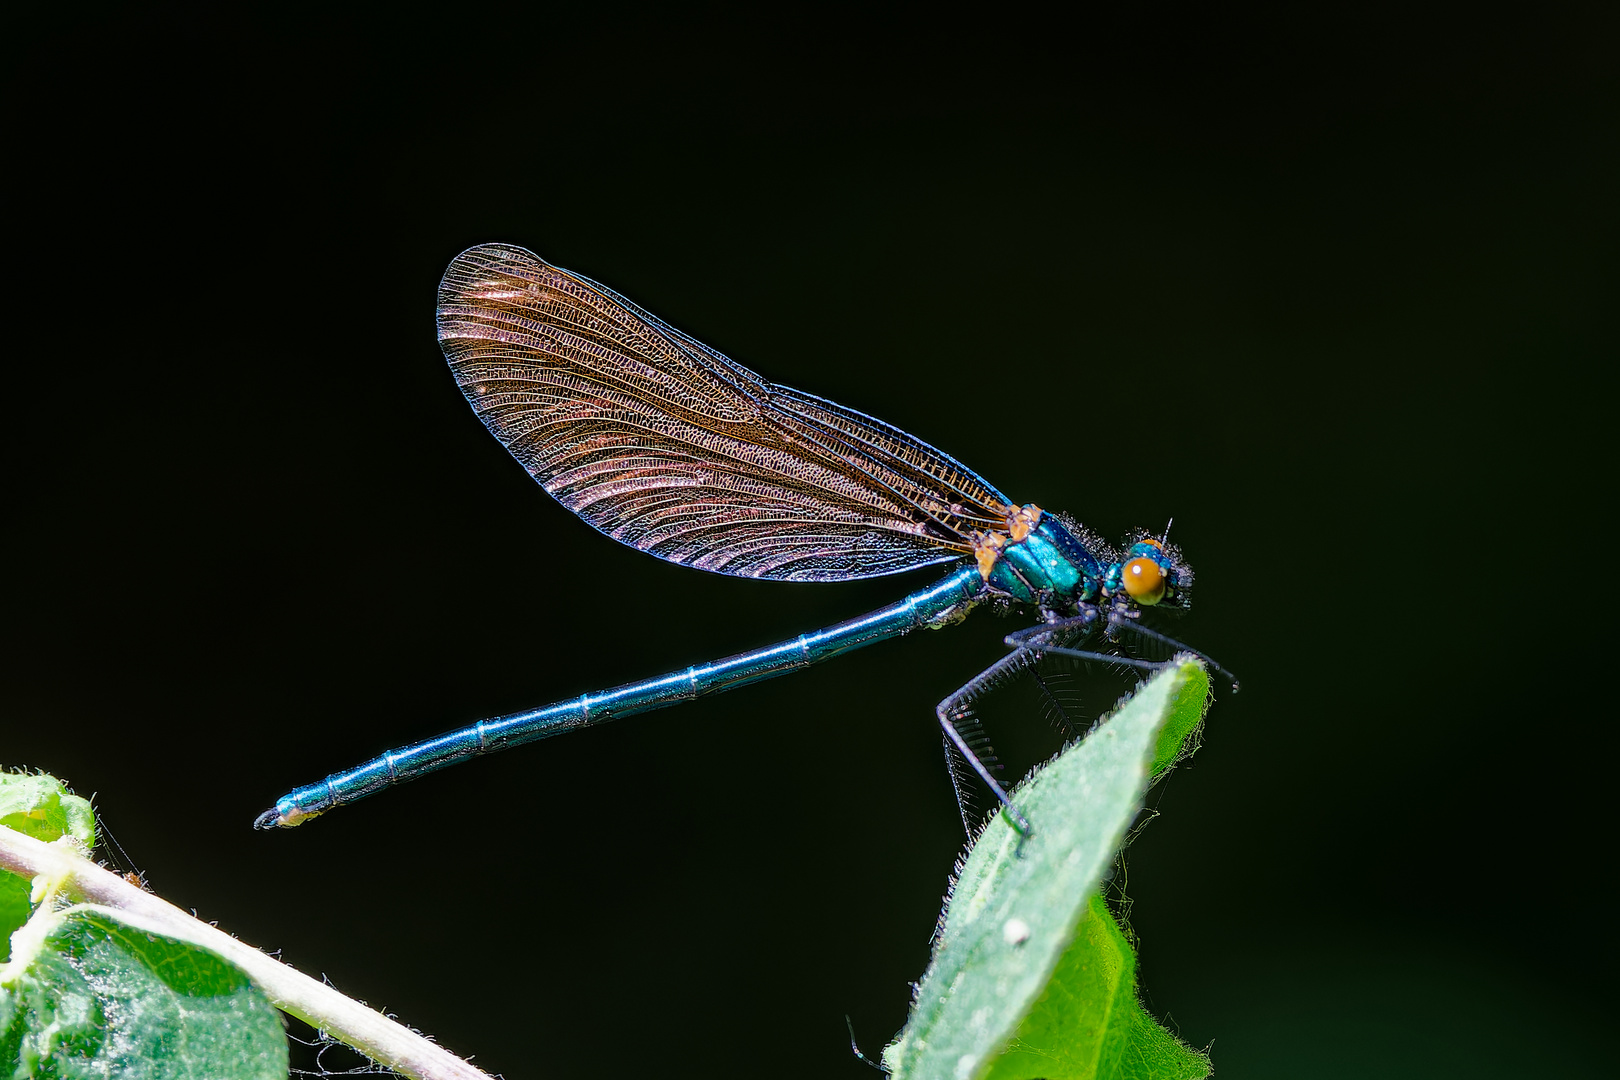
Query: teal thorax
1039,560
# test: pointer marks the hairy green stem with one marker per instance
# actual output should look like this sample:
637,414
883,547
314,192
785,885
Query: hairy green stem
373,1034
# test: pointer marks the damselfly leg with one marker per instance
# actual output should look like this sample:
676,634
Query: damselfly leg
965,739
1041,639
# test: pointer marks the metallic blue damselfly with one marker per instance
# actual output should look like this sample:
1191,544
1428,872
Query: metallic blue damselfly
662,443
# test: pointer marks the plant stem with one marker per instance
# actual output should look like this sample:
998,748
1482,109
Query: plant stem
290,990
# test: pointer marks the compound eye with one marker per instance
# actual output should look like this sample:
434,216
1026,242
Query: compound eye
1144,581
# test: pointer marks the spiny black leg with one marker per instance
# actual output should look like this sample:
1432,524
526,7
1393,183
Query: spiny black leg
1041,640
1086,620
1103,657
1019,822
965,743
1058,715
956,767
964,740
963,767
1118,622
957,710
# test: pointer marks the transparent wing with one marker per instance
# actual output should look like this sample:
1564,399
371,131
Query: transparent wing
666,445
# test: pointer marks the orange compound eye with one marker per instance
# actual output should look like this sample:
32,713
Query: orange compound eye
1143,581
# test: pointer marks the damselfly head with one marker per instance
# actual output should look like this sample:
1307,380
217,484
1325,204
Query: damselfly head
1150,574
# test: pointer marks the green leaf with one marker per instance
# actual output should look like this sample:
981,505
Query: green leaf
1179,738
98,999
84,995
1088,1023
1028,949
39,806
14,909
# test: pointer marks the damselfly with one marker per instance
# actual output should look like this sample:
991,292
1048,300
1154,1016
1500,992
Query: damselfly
662,443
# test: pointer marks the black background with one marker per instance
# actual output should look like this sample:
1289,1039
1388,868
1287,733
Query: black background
1333,290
